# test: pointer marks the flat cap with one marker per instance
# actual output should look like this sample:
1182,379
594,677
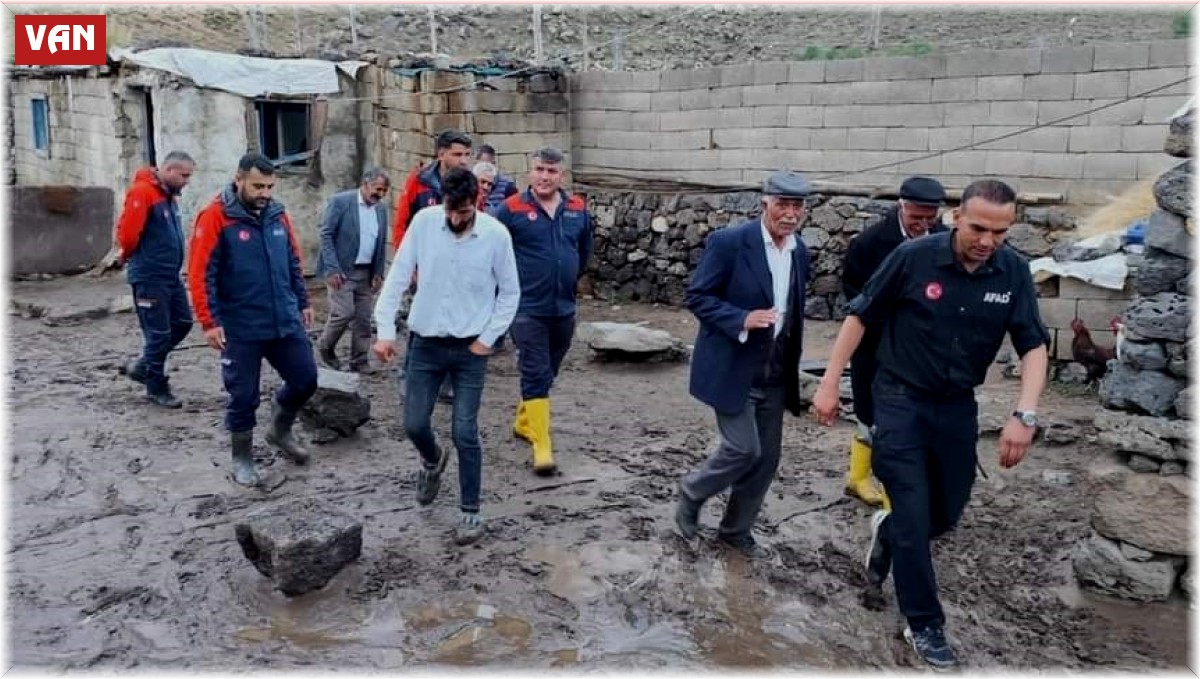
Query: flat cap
923,191
788,184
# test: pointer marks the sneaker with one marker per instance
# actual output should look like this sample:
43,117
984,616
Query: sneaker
469,529
165,399
879,556
430,480
687,515
930,643
747,546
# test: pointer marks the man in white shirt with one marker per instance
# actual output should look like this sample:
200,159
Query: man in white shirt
748,294
467,299
352,259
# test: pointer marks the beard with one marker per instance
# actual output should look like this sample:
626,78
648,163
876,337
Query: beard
460,229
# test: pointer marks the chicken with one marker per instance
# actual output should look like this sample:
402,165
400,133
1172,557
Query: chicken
1085,351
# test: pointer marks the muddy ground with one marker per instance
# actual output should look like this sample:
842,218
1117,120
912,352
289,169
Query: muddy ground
122,553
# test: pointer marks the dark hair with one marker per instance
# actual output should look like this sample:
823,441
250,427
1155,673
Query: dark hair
487,149
459,187
992,190
256,161
548,154
451,137
177,157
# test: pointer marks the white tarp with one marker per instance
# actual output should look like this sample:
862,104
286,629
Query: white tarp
247,76
1106,272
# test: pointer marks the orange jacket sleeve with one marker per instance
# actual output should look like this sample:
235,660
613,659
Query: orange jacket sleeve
201,268
138,201
404,211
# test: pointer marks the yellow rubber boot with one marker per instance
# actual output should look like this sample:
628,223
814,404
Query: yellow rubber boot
521,428
859,482
538,412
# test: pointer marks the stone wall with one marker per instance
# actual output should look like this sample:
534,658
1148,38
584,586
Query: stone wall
647,244
1140,545
737,123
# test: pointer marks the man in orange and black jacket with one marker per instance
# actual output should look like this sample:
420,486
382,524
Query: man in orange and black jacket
150,240
552,239
245,276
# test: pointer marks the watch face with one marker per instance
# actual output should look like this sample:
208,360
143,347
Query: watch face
1028,419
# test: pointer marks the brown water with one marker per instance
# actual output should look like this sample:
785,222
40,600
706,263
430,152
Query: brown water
122,553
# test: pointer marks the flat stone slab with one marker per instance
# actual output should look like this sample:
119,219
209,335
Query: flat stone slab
300,544
630,342
338,406
1149,511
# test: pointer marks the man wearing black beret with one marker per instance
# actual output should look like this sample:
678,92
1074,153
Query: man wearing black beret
915,215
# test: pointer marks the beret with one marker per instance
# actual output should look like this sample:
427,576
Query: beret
923,191
787,183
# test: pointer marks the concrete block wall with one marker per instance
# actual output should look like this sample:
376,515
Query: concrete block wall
1093,305
402,114
736,123
82,122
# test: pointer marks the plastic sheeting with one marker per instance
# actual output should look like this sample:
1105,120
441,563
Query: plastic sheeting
1108,272
245,76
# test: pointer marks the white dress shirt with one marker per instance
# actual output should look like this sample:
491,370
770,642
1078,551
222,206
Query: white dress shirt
779,261
368,231
468,285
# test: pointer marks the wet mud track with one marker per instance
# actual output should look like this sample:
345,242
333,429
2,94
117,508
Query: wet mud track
121,549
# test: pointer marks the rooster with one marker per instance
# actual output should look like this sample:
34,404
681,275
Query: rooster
1092,356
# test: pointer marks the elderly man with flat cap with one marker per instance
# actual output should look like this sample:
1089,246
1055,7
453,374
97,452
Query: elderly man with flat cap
748,294
915,215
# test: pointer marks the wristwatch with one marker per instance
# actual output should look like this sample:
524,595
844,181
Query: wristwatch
1027,417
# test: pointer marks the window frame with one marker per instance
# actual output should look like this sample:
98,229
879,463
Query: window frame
43,101
263,108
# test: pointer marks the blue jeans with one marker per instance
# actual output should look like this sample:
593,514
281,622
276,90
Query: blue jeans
542,343
165,318
923,452
430,361
241,369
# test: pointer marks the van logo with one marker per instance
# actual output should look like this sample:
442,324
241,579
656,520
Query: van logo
243,235
997,298
59,40
532,216
933,291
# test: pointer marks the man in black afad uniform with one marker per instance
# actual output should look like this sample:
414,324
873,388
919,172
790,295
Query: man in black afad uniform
915,215
958,293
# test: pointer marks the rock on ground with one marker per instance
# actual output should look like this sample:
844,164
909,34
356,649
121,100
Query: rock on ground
1100,565
1072,373
338,405
1029,240
1156,437
300,544
1144,465
1143,355
1148,391
630,342
1159,272
1146,510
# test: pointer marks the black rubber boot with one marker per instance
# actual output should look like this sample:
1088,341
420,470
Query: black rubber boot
280,434
244,472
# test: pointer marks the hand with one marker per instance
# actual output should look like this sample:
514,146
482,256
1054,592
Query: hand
215,338
762,318
385,350
1015,439
335,281
309,317
376,283
480,349
825,403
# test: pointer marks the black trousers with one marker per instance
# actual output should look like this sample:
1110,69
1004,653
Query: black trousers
924,455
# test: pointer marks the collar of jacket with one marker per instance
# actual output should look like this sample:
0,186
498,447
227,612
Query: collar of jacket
234,209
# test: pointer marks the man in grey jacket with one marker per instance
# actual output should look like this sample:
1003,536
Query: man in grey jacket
353,241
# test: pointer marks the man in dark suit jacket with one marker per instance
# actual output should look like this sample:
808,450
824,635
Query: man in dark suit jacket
352,260
915,215
748,294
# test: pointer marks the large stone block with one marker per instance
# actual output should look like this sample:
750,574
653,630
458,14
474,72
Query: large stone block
1104,85
1159,272
1179,138
1143,138
1173,190
1063,113
1170,53
905,68
1099,565
1142,82
1148,511
1048,87
972,113
953,89
1147,391
299,544
1117,56
338,406
1094,139
1110,166
1165,316
994,62
1000,87
1068,59
1167,231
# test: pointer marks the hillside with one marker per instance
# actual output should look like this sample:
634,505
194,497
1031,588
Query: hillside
640,37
